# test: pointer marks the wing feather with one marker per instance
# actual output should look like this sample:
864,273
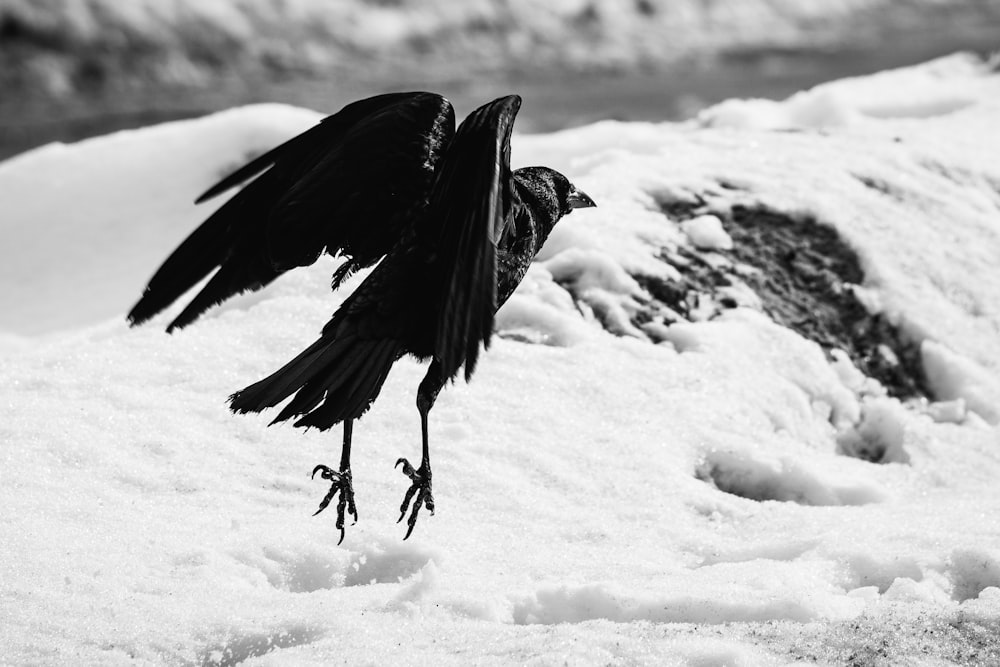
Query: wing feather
347,185
470,206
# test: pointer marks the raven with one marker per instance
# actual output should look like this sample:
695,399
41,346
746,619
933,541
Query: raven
386,178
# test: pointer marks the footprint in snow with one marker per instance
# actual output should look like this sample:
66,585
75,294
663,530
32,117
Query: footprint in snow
313,569
238,647
783,480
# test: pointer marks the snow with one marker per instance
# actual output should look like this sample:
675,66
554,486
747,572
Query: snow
932,89
707,232
77,210
699,496
956,377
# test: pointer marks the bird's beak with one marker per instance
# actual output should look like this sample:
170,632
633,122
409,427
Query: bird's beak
580,199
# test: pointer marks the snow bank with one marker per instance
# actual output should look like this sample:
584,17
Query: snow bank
932,89
704,495
81,231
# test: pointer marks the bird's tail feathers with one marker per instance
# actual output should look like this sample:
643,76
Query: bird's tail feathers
332,380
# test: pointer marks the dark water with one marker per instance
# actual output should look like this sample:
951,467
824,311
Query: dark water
553,100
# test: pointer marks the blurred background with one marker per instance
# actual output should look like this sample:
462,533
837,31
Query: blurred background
75,68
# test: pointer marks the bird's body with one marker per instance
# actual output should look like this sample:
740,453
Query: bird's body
455,230
386,317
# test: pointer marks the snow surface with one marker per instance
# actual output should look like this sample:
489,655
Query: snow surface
937,88
600,499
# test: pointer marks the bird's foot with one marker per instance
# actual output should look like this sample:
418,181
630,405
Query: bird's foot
340,481
421,486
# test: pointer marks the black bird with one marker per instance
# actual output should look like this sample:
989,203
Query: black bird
386,177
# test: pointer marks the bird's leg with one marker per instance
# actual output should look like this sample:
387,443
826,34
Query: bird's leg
340,481
421,477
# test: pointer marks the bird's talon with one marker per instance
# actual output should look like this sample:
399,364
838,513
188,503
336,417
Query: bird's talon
340,483
421,488
408,468
327,473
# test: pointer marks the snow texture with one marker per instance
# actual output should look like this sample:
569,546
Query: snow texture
702,496
707,232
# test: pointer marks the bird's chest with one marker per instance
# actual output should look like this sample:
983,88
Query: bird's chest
511,267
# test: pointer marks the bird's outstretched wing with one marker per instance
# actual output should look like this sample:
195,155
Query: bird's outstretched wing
349,185
469,209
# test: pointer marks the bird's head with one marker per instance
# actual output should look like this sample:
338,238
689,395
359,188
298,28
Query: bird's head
554,190
577,198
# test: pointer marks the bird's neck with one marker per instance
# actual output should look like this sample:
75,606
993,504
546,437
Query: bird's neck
534,217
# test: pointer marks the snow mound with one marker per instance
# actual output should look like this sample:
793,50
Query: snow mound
105,209
938,88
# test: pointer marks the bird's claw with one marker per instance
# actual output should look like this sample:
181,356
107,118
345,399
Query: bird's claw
339,481
421,487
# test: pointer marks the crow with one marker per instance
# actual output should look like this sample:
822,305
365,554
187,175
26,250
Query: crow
387,179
